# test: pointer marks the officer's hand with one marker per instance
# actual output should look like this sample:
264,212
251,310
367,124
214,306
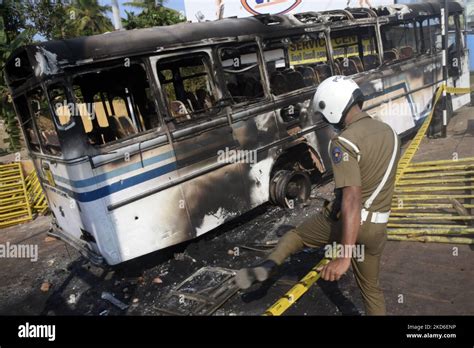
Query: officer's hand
335,269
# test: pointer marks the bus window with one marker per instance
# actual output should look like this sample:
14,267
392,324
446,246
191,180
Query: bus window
32,139
425,45
242,73
61,106
44,122
296,63
399,41
115,103
354,50
455,41
187,84
435,33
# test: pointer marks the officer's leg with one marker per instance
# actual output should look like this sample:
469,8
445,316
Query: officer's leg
314,232
373,238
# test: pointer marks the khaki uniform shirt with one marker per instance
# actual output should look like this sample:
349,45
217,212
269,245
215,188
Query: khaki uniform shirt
375,141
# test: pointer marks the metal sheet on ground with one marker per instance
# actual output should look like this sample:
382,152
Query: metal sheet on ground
202,293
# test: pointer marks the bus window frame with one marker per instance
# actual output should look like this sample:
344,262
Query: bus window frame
288,36
133,138
227,97
65,83
43,87
459,42
416,54
378,43
205,117
419,29
30,119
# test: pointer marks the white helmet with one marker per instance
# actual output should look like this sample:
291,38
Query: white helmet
334,97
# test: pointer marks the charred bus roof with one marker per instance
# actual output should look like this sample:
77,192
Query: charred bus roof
46,59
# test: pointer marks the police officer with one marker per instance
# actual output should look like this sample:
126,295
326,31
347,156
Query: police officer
364,157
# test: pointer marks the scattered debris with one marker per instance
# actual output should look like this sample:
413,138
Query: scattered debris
157,280
109,276
45,287
252,248
460,209
135,300
71,299
183,257
203,293
49,239
51,262
112,299
282,229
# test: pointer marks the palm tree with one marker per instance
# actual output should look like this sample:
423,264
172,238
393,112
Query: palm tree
88,17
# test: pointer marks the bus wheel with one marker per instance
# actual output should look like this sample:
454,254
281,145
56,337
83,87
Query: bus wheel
289,188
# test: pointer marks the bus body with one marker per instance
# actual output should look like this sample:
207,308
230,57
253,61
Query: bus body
134,134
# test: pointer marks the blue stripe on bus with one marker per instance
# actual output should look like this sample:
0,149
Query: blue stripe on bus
114,173
120,185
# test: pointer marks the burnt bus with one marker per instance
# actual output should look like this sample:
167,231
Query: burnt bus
143,139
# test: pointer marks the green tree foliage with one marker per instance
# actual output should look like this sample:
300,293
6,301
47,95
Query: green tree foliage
67,19
88,17
146,4
14,32
154,14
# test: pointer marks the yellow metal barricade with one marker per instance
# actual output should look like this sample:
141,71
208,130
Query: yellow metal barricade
14,199
36,194
431,199
279,307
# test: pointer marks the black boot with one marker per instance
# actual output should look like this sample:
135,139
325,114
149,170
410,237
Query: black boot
259,273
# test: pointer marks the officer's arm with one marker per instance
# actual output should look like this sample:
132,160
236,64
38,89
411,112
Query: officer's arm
347,177
350,211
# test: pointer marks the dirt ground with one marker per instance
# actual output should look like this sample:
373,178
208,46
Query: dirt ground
418,279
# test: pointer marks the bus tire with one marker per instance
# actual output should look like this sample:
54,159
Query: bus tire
289,188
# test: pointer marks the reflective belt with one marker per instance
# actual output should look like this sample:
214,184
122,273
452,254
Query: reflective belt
376,217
